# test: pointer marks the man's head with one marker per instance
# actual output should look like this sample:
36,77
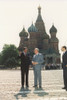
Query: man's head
25,49
36,50
63,48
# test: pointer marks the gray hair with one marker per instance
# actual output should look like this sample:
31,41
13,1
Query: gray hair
36,49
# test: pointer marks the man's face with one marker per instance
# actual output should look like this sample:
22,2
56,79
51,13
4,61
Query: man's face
26,50
35,51
62,49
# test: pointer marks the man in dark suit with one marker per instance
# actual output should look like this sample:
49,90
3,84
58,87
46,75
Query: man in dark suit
64,66
25,62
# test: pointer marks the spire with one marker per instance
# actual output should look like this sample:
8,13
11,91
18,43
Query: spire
39,18
32,22
39,10
52,24
39,22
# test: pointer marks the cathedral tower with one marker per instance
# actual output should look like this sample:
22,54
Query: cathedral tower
39,22
42,35
33,37
23,38
54,40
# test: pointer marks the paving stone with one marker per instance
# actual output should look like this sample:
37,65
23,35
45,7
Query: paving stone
52,83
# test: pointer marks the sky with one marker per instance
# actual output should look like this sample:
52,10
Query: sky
16,14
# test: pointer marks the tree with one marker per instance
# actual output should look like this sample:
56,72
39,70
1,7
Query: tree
0,58
11,62
9,55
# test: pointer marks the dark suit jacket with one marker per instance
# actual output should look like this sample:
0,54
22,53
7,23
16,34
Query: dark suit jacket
64,58
25,61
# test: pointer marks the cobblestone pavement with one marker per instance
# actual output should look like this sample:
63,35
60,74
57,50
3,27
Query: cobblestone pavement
52,83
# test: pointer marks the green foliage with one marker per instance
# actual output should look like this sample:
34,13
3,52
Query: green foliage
9,55
11,62
0,58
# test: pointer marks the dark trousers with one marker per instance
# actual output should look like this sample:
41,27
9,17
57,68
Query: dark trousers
65,77
24,76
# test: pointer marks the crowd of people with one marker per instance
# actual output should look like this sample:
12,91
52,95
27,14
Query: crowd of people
52,66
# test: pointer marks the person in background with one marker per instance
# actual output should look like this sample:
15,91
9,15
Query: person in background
64,66
37,64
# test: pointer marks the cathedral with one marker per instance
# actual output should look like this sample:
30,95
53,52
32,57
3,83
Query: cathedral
37,37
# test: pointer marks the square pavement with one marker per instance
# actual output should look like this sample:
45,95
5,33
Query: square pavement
52,83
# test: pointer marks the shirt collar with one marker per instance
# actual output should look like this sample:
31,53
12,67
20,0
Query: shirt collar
37,53
64,52
24,53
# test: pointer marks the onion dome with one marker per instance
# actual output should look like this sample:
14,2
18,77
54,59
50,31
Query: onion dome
53,29
32,28
23,33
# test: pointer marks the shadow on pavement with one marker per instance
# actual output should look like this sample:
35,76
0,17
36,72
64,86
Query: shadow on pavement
40,92
23,93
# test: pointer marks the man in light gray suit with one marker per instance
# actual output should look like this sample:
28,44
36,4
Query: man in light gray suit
37,64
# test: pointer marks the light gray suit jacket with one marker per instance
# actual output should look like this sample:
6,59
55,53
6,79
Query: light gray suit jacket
38,58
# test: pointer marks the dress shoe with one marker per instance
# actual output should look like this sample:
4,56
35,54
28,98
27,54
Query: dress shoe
63,88
35,86
40,87
27,86
22,87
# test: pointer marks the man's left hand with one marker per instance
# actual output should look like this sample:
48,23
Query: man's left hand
34,63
